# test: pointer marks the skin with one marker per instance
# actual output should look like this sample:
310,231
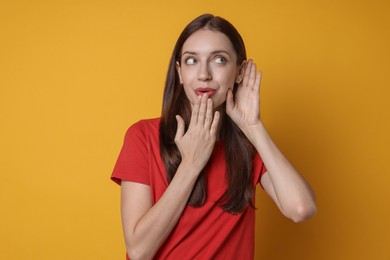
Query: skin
146,226
208,60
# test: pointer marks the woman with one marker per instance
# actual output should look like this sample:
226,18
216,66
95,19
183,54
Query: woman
188,178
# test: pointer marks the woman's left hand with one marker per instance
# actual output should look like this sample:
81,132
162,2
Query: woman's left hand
244,108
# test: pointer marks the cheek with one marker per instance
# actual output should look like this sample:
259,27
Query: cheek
189,93
227,80
188,75
227,76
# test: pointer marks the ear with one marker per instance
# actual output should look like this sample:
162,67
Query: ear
178,69
241,72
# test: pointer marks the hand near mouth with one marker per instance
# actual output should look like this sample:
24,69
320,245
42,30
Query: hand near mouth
196,145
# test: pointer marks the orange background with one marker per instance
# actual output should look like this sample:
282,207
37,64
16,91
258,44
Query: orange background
75,74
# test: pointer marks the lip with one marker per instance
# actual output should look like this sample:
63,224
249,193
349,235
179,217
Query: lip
209,91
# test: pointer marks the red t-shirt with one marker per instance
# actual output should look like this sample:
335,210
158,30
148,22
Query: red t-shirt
206,232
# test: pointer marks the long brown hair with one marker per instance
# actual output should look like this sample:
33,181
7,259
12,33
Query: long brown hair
238,149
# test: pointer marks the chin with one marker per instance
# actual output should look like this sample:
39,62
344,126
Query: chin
221,108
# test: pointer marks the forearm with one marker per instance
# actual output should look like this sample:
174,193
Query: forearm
156,224
295,197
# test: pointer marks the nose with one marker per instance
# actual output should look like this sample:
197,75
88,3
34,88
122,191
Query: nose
204,73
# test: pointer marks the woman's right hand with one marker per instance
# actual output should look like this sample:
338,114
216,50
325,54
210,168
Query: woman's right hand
196,145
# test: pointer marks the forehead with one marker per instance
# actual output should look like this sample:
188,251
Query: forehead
207,41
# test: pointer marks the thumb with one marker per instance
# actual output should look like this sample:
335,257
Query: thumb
229,102
180,128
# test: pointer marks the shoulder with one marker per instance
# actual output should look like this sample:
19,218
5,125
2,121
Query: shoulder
144,127
147,123
143,130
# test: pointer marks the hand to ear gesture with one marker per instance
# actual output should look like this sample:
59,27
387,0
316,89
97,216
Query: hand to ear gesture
244,108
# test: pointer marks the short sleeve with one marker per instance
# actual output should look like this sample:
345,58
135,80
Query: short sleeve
258,168
132,163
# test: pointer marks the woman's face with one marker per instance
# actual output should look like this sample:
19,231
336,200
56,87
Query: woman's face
208,65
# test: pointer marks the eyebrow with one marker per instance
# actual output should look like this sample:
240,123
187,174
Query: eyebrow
213,52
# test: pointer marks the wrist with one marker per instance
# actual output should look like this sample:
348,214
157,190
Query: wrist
252,132
188,168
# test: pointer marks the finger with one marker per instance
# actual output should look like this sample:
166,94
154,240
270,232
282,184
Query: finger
195,111
247,73
214,125
202,109
257,82
209,113
252,76
180,128
229,101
